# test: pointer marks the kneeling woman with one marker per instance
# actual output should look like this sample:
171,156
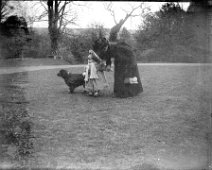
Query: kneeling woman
127,82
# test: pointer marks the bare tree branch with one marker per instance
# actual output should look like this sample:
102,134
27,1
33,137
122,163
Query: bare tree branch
77,4
44,5
40,20
44,14
128,13
59,18
5,8
63,6
109,8
59,3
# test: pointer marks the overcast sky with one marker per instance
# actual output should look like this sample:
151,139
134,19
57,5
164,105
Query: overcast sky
94,12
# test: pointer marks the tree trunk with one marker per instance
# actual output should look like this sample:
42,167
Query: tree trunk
53,26
115,29
0,11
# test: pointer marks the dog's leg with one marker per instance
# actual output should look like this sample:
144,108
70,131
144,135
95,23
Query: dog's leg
84,89
71,89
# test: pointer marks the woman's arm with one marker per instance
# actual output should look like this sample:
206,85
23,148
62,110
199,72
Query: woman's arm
108,59
95,56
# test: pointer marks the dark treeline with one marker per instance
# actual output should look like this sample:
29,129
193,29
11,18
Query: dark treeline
169,35
174,35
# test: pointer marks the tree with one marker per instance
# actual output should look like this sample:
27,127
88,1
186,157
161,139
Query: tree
2,8
5,8
30,11
15,36
79,44
57,21
167,35
165,27
95,31
128,13
125,34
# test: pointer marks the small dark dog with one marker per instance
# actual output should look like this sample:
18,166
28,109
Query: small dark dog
72,80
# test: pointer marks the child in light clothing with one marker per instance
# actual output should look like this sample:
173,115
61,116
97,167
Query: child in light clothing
92,73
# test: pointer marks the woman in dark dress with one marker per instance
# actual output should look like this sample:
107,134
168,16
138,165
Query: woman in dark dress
127,82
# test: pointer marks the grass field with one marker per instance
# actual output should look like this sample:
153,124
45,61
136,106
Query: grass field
166,127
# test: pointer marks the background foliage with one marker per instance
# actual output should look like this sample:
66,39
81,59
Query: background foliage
169,35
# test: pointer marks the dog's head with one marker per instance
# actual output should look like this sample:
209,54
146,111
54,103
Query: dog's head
63,73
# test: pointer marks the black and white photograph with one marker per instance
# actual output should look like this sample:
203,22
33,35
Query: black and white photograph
106,85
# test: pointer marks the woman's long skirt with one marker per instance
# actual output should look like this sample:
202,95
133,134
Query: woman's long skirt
123,72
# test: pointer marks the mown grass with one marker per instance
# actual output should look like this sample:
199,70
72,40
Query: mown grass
165,127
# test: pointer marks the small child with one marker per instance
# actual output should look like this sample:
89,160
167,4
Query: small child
100,66
93,70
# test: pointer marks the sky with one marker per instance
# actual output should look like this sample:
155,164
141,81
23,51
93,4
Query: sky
93,12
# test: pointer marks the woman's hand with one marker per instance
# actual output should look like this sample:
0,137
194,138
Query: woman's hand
108,68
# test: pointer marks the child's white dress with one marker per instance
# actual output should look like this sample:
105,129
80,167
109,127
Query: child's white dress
93,77
90,70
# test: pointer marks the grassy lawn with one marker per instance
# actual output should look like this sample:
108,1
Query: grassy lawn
165,127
